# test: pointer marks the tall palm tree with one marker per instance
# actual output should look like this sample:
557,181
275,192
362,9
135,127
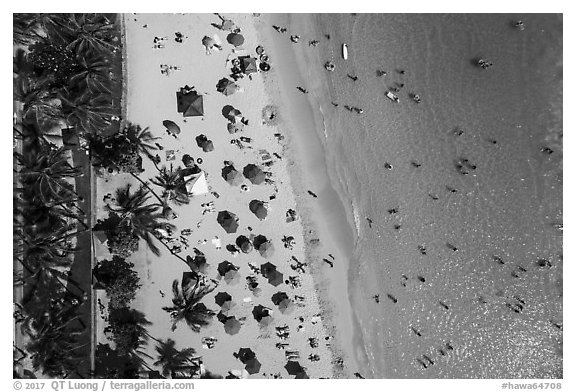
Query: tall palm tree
142,217
31,28
142,138
173,184
47,171
170,358
187,305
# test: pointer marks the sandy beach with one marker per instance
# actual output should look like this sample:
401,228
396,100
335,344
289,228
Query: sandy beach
151,99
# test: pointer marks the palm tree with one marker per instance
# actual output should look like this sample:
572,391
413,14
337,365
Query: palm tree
173,184
143,218
170,358
142,138
31,28
93,74
187,305
53,341
47,171
85,110
89,33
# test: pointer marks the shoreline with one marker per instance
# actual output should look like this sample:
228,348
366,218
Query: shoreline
313,161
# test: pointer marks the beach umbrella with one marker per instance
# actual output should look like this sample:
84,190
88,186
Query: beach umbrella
262,315
226,266
189,280
190,104
302,375
244,244
248,64
226,86
245,354
254,174
231,175
267,268
232,277
275,278
279,297
232,326
222,297
171,126
205,144
228,25
232,114
227,307
266,249
286,306
188,161
259,209
235,127
228,221
264,66
294,368
253,366
259,240
235,39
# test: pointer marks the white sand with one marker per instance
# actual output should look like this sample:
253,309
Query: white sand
151,99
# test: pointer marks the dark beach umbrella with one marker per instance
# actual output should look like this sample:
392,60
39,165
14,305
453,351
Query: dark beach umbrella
189,279
205,144
226,86
232,114
278,297
235,39
259,312
225,267
235,127
248,65
171,126
228,221
188,161
253,366
222,297
267,268
189,104
259,209
275,278
266,250
245,354
232,326
294,368
231,175
302,375
254,174
259,240
244,244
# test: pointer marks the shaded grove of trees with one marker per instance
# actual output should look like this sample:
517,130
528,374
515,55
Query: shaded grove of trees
66,74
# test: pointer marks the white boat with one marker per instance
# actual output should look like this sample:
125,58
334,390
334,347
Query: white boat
392,97
345,51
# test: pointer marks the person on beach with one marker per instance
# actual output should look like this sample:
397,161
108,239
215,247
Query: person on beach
301,89
313,43
381,73
295,38
358,375
334,104
312,194
376,298
330,263
353,77
369,222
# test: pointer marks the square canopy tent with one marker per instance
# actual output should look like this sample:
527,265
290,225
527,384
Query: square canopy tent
189,103
248,64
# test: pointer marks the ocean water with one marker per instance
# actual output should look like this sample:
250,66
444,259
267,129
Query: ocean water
502,217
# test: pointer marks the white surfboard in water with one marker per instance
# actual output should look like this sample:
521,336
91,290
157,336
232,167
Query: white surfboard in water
345,51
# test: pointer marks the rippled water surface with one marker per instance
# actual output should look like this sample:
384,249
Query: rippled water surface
483,233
